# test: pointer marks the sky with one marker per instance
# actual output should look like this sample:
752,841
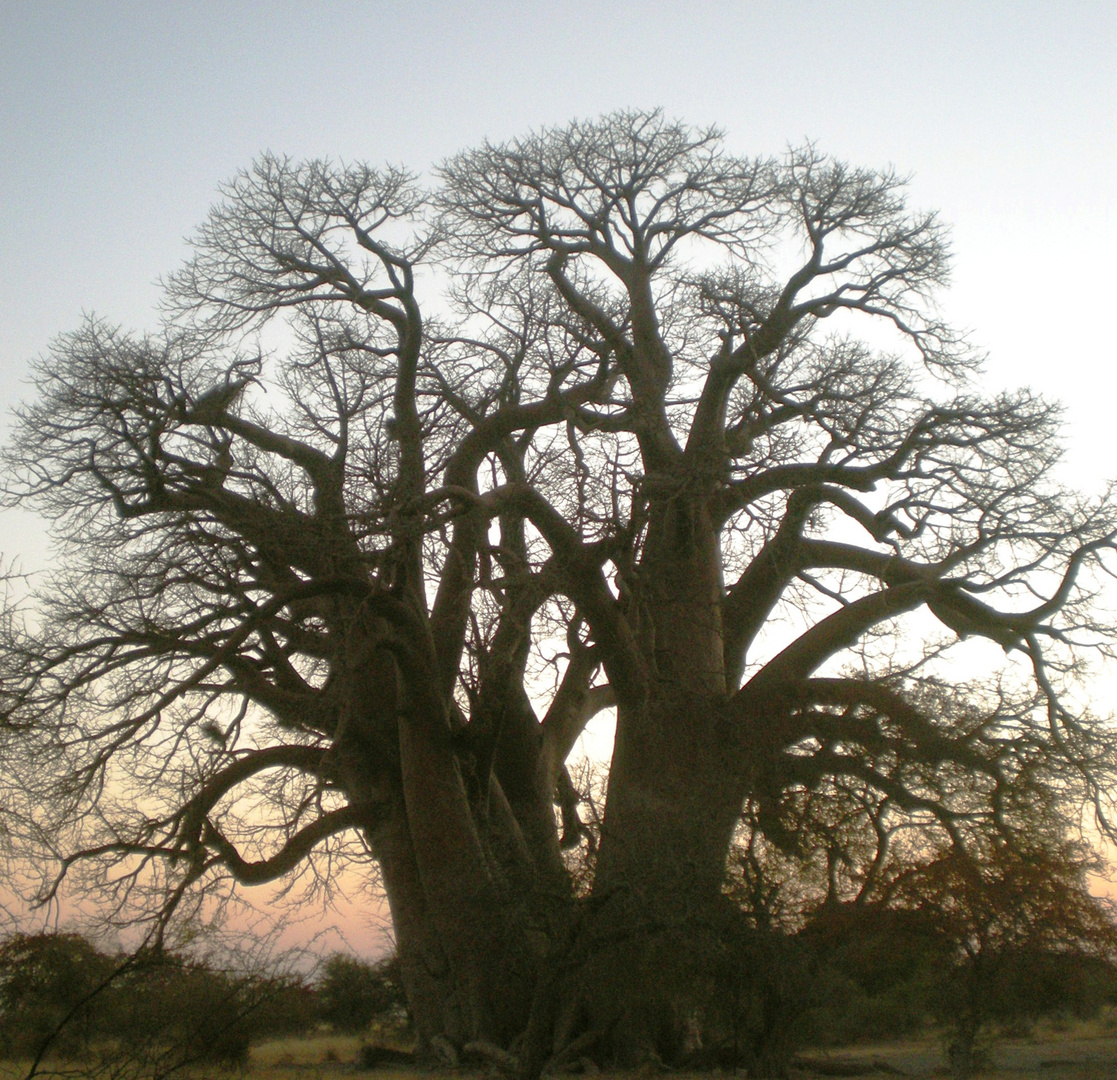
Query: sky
118,120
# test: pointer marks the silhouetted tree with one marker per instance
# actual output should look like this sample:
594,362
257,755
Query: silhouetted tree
330,566
900,927
1019,929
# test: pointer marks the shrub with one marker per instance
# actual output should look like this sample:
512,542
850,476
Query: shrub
353,993
46,978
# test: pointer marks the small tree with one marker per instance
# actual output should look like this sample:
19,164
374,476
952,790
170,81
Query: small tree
900,928
1016,928
353,993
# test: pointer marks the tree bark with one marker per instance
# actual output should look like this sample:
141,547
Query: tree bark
424,967
658,920
476,920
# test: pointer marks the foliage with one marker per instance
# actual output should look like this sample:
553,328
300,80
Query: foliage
976,941
352,993
412,483
178,1010
1022,937
877,973
46,979
59,992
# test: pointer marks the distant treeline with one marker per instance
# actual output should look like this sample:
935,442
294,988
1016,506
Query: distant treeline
852,972
59,990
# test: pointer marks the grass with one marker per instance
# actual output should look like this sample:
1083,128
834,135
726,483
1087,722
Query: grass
1054,1050
305,1051
314,1056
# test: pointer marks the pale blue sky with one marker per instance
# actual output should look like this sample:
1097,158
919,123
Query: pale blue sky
118,120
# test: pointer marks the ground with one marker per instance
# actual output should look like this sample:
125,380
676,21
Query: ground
1046,1056
1063,1051
1074,1051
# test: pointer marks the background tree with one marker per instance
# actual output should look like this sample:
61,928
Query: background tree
1022,938
332,569
61,996
902,929
352,993
45,978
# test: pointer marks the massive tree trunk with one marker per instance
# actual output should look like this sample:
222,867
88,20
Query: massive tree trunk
671,805
480,923
480,897
424,967
658,908
657,923
453,868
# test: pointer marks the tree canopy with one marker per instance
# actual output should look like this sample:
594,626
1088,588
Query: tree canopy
414,480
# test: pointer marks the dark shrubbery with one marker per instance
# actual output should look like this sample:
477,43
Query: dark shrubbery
199,1013
44,980
160,1005
975,962
874,971
352,993
60,987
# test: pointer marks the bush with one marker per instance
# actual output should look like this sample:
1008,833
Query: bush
875,970
352,993
884,972
169,1007
44,979
158,1007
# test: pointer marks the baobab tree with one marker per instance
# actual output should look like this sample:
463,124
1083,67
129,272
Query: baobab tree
412,483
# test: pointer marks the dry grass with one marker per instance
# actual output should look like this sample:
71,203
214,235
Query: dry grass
301,1052
1070,1050
311,1057
1055,1050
